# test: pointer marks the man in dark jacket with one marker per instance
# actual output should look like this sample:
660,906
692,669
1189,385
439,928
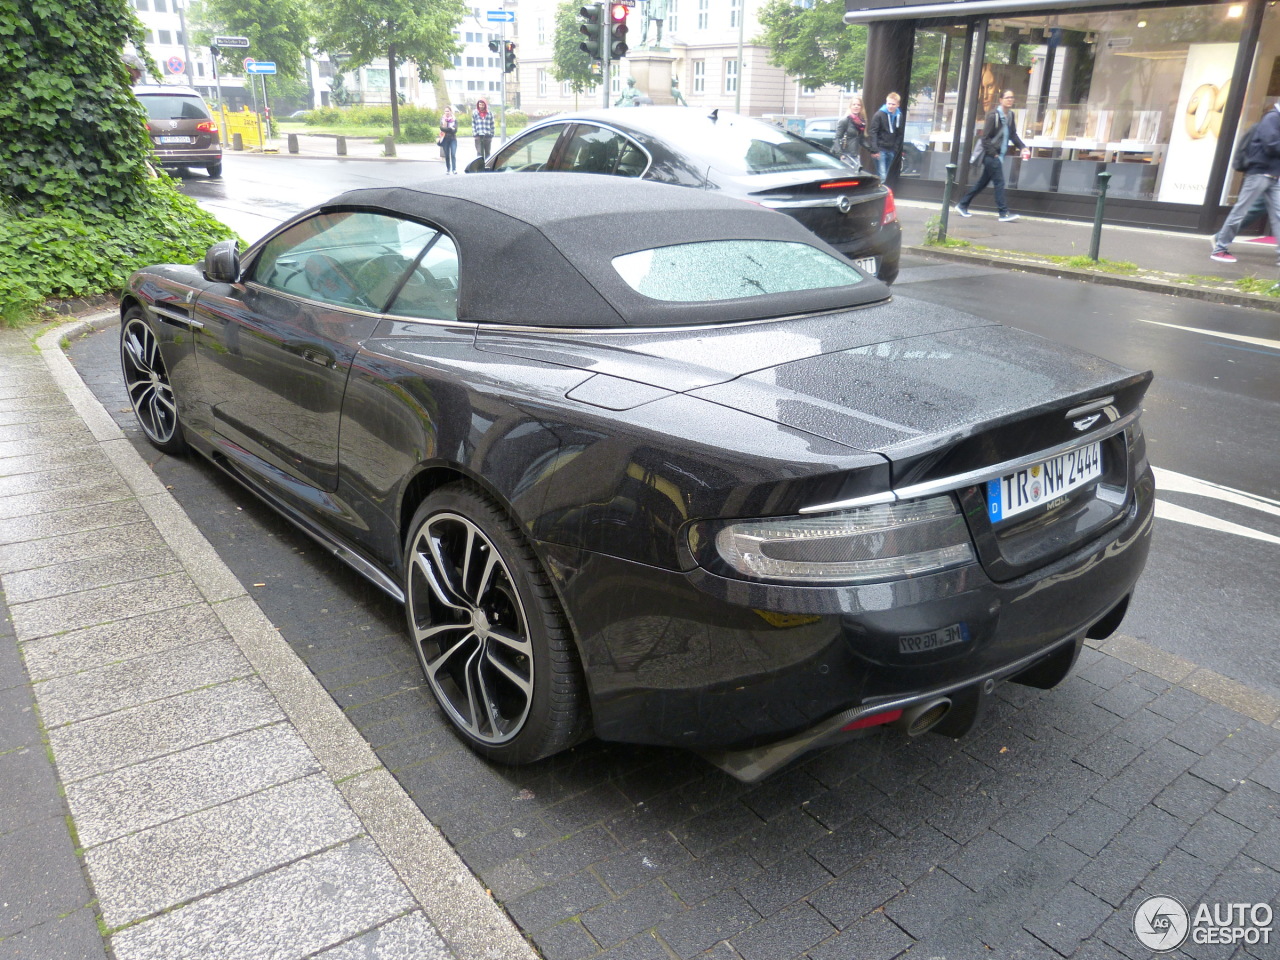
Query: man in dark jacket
1261,173
884,134
1000,130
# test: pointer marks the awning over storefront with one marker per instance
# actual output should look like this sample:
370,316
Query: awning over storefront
868,11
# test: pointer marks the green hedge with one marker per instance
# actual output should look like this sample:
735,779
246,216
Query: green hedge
64,255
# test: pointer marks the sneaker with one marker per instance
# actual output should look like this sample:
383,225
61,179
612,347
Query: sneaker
1222,257
1008,217
963,211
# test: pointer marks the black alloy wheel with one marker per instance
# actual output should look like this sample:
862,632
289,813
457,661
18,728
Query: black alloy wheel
147,381
488,630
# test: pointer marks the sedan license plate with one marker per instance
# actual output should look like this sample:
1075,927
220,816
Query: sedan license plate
869,264
924,642
1043,483
174,139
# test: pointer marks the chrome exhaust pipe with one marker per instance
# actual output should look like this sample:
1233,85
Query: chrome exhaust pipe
923,716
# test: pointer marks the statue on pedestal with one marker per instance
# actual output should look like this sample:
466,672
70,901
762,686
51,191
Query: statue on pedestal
676,94
629,95
655,11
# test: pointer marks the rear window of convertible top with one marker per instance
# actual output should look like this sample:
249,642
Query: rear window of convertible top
731,270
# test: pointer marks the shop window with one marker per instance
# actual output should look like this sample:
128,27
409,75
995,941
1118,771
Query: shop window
1138,93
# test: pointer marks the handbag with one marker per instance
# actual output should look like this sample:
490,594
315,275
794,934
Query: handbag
979,151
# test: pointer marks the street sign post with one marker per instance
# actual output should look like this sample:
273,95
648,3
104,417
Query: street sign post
238,42
500,16
260,66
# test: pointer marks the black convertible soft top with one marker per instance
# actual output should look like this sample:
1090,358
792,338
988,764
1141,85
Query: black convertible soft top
537,249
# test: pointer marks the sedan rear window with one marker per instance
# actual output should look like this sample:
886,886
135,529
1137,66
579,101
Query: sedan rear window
731,270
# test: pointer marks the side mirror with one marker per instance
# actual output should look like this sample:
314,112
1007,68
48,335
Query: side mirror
222,262
476,166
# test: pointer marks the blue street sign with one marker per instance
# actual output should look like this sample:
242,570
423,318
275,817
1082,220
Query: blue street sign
500,16
261,66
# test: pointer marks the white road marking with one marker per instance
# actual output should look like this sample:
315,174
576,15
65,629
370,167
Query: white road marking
1256,341
1168,480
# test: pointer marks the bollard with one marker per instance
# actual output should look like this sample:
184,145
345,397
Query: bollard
293,143
1096,240
342,146
946,202
237,141
389,147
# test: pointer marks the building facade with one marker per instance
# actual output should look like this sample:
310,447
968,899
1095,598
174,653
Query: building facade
1154,94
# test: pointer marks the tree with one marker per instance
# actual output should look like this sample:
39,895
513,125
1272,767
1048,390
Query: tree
278,30
813,44
402,31
71,132
569,63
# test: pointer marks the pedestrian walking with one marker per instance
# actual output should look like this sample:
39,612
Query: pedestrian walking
851,133
1261,170
999,131
482,128
884,137
449,141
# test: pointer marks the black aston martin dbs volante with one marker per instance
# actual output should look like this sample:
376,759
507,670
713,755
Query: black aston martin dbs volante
655,464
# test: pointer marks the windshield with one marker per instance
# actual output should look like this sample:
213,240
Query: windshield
731,270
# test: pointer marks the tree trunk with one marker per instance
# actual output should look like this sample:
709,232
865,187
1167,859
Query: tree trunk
395,90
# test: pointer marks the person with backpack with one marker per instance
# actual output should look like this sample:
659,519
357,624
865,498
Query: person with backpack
999,132
1259,157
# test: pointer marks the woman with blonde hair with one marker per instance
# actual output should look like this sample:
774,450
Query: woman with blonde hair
851,132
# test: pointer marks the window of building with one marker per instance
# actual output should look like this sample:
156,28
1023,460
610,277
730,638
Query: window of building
699,76
178,38
143,5
199,69
326,68
457,60
151,37
1138,93
471,61
542,31
730,76
735,11
160,6
672,14
165,36
704,15
542,82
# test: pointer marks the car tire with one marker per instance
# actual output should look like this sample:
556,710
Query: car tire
147,381
214,169
488,630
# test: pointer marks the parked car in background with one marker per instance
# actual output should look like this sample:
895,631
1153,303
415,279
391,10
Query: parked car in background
655,464
726,153
183,130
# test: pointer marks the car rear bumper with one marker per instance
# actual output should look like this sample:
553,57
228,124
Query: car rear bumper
885,245
727,665
192,158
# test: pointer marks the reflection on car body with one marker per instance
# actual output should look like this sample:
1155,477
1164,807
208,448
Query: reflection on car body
651,464
733,155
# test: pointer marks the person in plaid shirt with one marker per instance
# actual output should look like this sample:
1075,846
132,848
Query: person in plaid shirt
482,128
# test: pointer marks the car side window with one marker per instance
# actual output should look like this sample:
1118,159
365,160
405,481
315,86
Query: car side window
430,291
596,150
351,259
531,152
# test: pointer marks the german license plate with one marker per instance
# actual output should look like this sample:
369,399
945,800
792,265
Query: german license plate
869,264
1043,483
934,639
174,139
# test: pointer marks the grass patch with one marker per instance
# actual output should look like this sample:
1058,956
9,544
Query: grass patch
1258,285
1082,262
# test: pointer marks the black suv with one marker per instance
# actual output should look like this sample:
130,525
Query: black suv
183,131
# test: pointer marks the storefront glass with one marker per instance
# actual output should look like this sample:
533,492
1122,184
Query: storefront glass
1139,93
1263,89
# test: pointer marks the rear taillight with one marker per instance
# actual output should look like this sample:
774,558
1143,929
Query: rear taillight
890,210
208,126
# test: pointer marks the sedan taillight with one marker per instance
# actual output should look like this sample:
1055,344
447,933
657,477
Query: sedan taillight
207,126
890,210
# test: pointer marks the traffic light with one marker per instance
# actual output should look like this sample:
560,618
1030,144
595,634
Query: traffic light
493,46
617,30
592,25
509,58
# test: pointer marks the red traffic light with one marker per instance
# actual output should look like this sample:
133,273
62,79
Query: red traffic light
618,30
